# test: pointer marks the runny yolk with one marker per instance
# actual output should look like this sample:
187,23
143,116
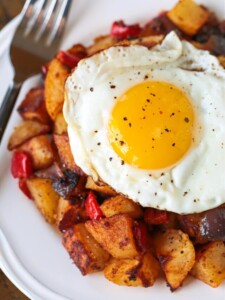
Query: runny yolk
151,125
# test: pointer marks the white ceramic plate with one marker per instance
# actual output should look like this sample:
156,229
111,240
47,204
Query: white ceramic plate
31,253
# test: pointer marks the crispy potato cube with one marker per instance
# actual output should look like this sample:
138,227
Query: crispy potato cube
188,16
63,206
33,107
101,43
210,263
115,235
222,60
120,204
176,255
60,125
54,87
100,187
40,150
65,154
83,249
25,131
45,198
140,271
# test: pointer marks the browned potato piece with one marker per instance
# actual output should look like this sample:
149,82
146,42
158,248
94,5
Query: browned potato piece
141,271
101,43
115,235
176,255
33,107
188,16
147,41
60,125
25,131
54,87
40,150
210,264
65,154
222,60
63,206
121,204
100,187
86,253
44,197
78,50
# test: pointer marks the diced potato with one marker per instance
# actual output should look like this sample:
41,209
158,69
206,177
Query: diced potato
101,43
100,187
44,197
25,131
222,60
40,150
210,264
188,16
60,125
64,151
54,87
140,271
121,204
63,206
78,50
115,235
86,253
33,107
147,41
176,255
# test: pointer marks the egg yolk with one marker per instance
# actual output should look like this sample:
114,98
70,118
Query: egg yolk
151,125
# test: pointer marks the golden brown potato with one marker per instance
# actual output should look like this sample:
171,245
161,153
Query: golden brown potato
222,60
54,87
115,235
86,253
100,187
45,198
101,43
60,125
176,255
210,264
40,150
64,151
147,41
63,206
120,204
140,271
188,16
33,107
25,131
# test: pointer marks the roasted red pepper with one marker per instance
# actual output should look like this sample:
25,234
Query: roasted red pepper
21,165
155,217
24,188
68,59
92,207
120,29
141,236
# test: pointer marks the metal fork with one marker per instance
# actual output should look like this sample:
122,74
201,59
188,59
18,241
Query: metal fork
35,42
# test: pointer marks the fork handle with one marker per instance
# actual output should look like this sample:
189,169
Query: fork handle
7,106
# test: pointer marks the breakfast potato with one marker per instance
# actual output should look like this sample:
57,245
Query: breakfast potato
45,198
147,41
83,249
63,206
33,107
54,87
140,271
100,187
188,16
64,151
222,60
115,235
25,131
121,204
210,263
60,125
40,151
101,43
176,255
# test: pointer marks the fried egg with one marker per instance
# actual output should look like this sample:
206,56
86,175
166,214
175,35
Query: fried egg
151,123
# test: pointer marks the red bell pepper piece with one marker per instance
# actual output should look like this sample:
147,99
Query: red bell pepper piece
21,165
120,29
92,207
155,217
68,59
141,236
24,188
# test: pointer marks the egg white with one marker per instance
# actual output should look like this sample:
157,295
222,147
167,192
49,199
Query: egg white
194,184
